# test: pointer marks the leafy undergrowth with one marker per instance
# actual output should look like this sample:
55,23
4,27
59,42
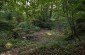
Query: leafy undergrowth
61,47
56,46
21,44
58,50
12,44
48,45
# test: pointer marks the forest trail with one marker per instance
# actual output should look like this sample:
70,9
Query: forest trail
43,37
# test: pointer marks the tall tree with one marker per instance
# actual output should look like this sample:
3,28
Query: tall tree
70,11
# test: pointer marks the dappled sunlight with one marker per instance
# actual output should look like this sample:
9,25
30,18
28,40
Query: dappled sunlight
49,33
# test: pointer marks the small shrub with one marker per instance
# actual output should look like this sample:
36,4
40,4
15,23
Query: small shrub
80,23
49,24
5,26
28,27
3,35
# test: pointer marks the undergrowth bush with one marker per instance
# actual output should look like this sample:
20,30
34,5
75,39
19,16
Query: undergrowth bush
5,26
49,24
28,27
61,47
3,35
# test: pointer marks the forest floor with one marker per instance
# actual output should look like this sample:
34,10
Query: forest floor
45,45
43,37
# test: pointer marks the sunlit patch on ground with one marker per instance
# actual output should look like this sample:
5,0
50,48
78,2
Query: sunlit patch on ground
49,33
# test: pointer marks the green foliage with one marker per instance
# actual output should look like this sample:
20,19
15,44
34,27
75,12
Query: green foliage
5,26
3,35
14,43
28,27
45,24
80,23
28,16
19,42
7,15
61,47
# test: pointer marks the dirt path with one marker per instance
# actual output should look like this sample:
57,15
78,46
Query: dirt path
44,37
